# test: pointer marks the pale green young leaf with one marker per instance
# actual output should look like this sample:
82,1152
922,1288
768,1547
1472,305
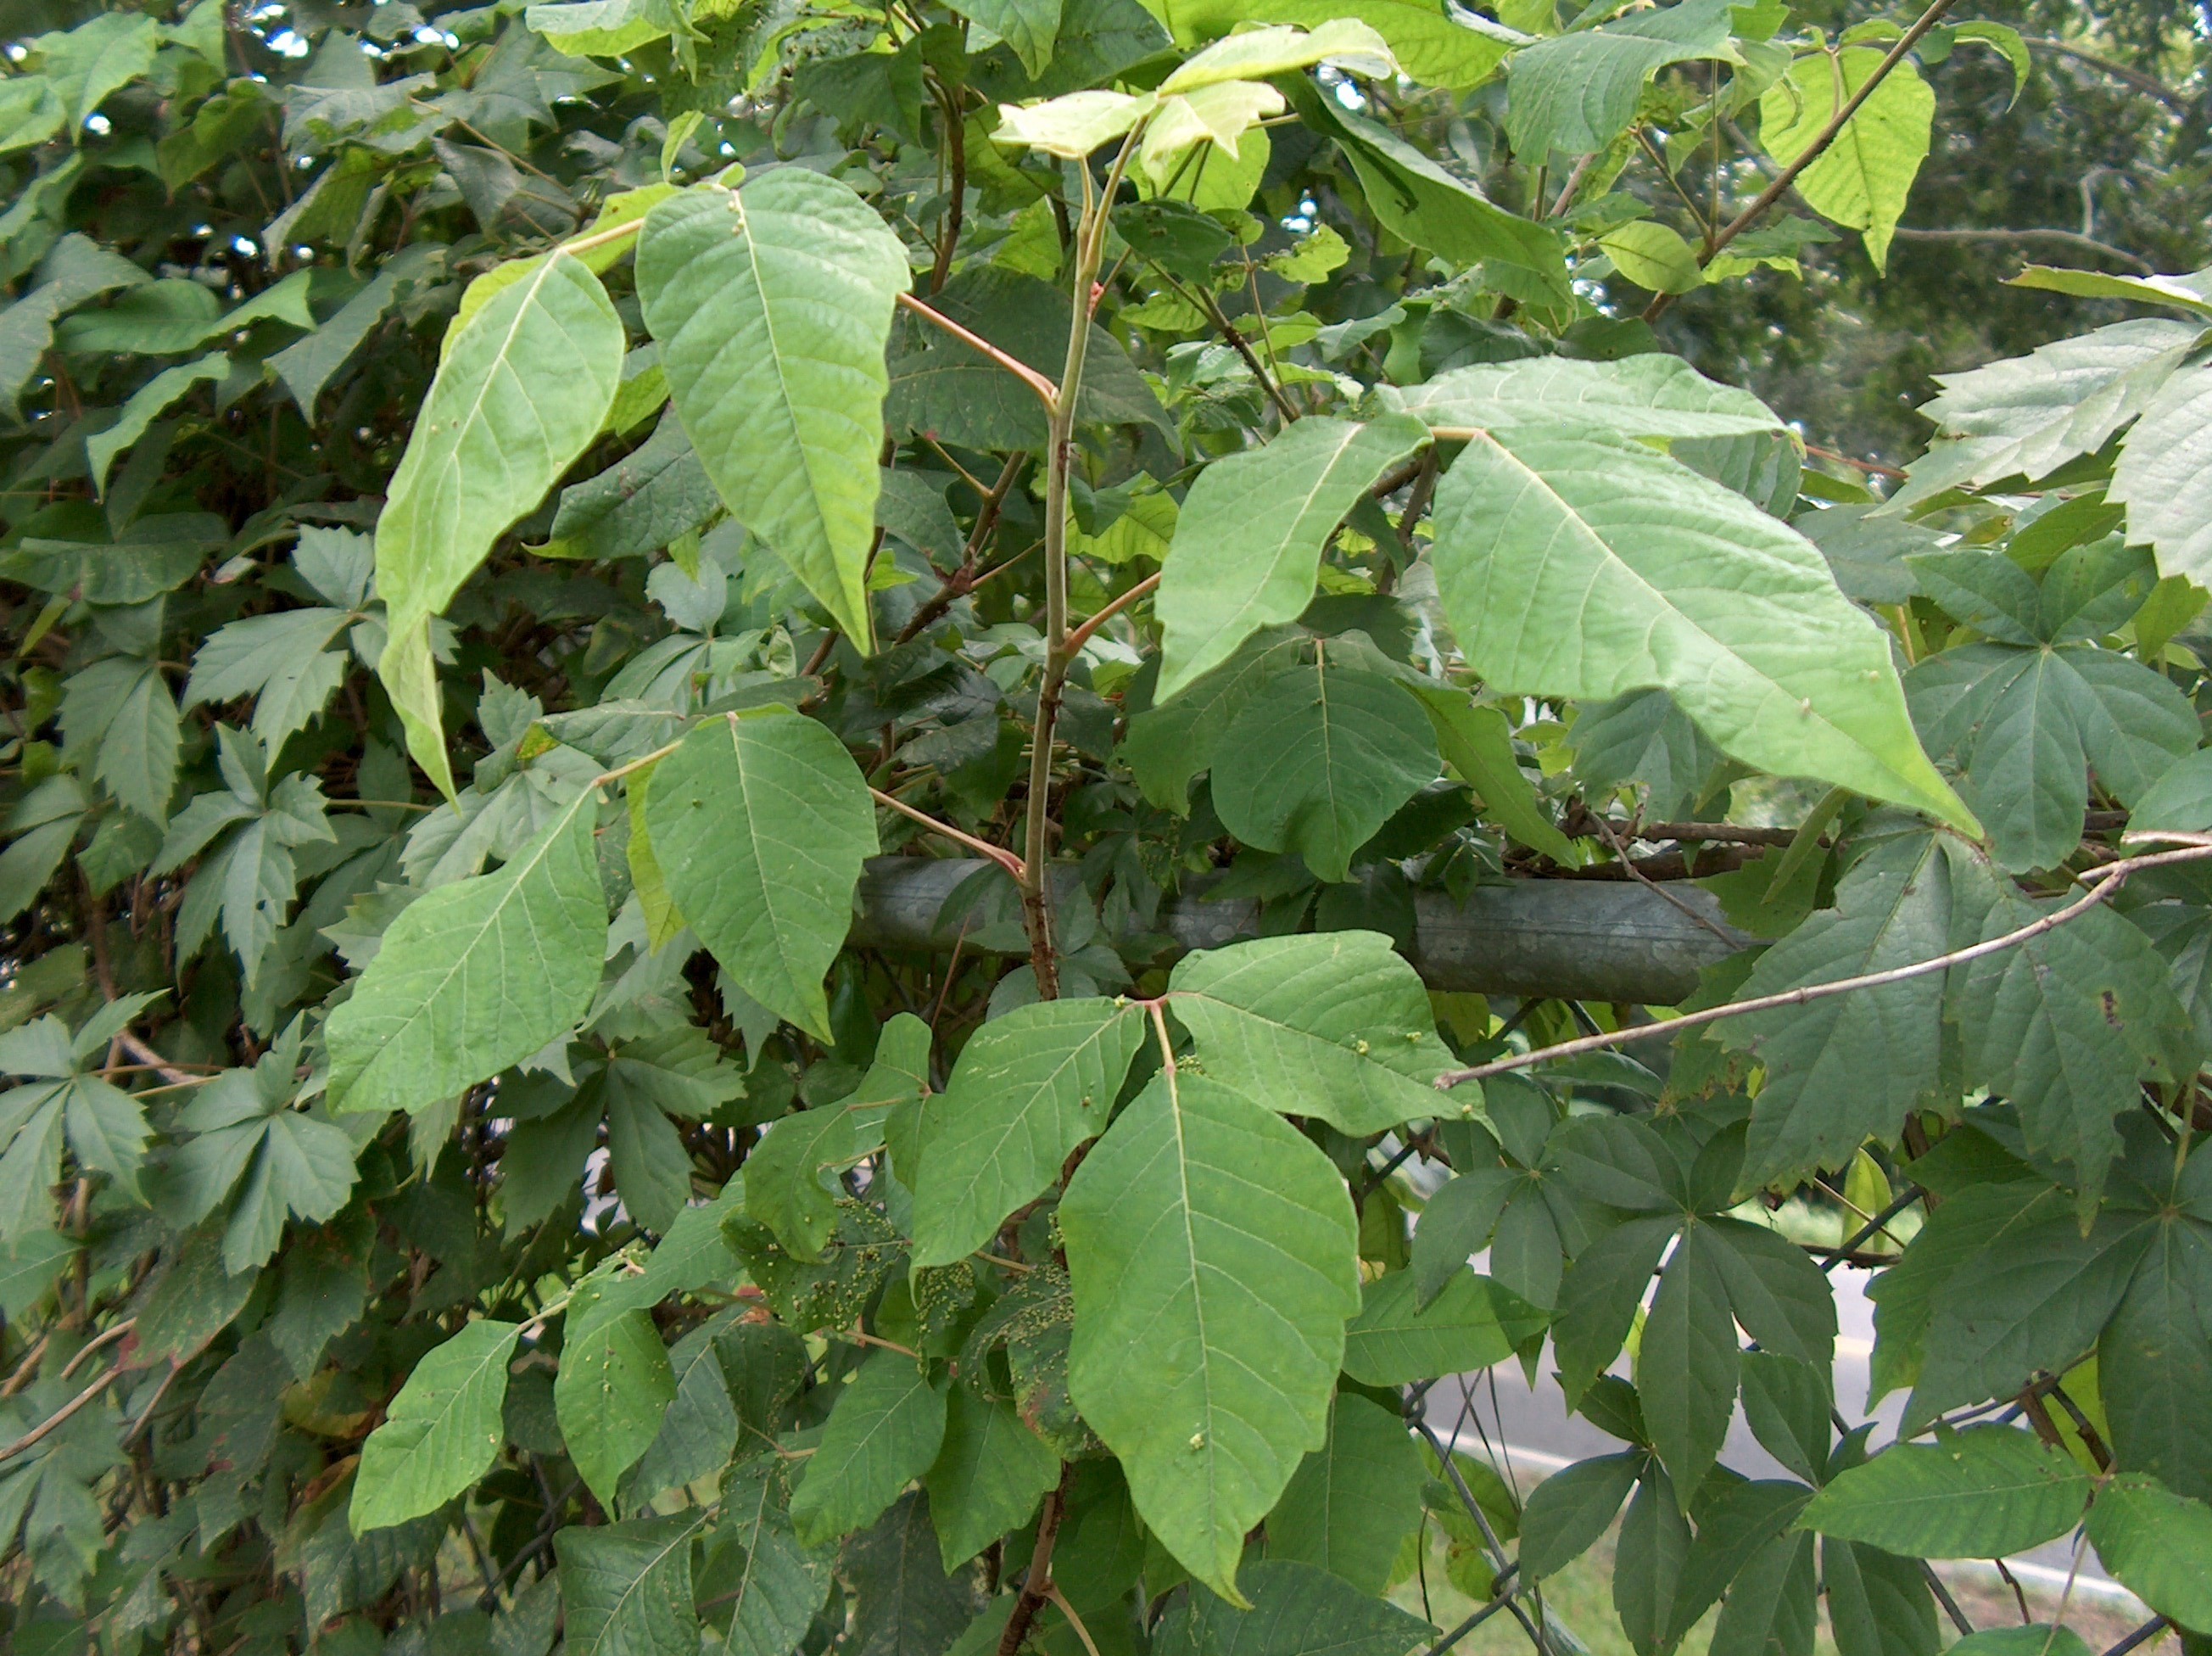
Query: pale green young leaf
1987,1492
1072,124
988,1478
1456,50
1355,1500
1650,395
1318,759
1332,1024
1029,1088
1274,49
2187,293
760,827
475,976
1653,255
1862,179
1200,1230
521,393
614,1388
771,304
883,1432
600,28
439,1434
1248,541
1574,563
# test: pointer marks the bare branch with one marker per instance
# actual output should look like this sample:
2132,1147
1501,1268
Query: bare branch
2107,881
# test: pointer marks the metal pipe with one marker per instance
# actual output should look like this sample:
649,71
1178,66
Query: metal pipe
1576,940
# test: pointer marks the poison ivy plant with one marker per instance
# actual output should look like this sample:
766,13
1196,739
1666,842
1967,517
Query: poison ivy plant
839,828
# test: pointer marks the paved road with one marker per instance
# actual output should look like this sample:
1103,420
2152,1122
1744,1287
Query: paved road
1532,1432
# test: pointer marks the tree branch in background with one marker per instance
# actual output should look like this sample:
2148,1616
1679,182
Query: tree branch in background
2147,85
2056,238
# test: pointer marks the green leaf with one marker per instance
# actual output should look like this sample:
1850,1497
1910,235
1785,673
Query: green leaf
626,1588
245,1128
1471,1324
1821,1100
1477,741
2161,475
1987,1492
2033,1296
2183,293
521,393
785,1183
1576,92
1878,1603
1203,1228
1332,1024
440,1434
639,504
147,405
909,1606
2064,1023
1318,759
1029,27
1249,542
771,304
760,827
1569,1510
1862,179
1651,395
1654,1546
2155,1542
1654,256
884,1431
1355,1500
2029,415
1555,589
771,1587
1685,1365
988,1477
1029,1087
124,705
97,57
475,976
2028,724
1295,1609
283,659
1599,1299
600,28
2155,1358
699,1430
613,1386
28,1266
2035,1639
1255,54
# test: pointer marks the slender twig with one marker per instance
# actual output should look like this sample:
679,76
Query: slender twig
105,1337
2107,881
1081,636
1059,1601
1813,152
1649,883
997,854
146,1415
1047,393
2142,1636
60,1417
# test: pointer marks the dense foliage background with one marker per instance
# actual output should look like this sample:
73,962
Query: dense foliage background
640,632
